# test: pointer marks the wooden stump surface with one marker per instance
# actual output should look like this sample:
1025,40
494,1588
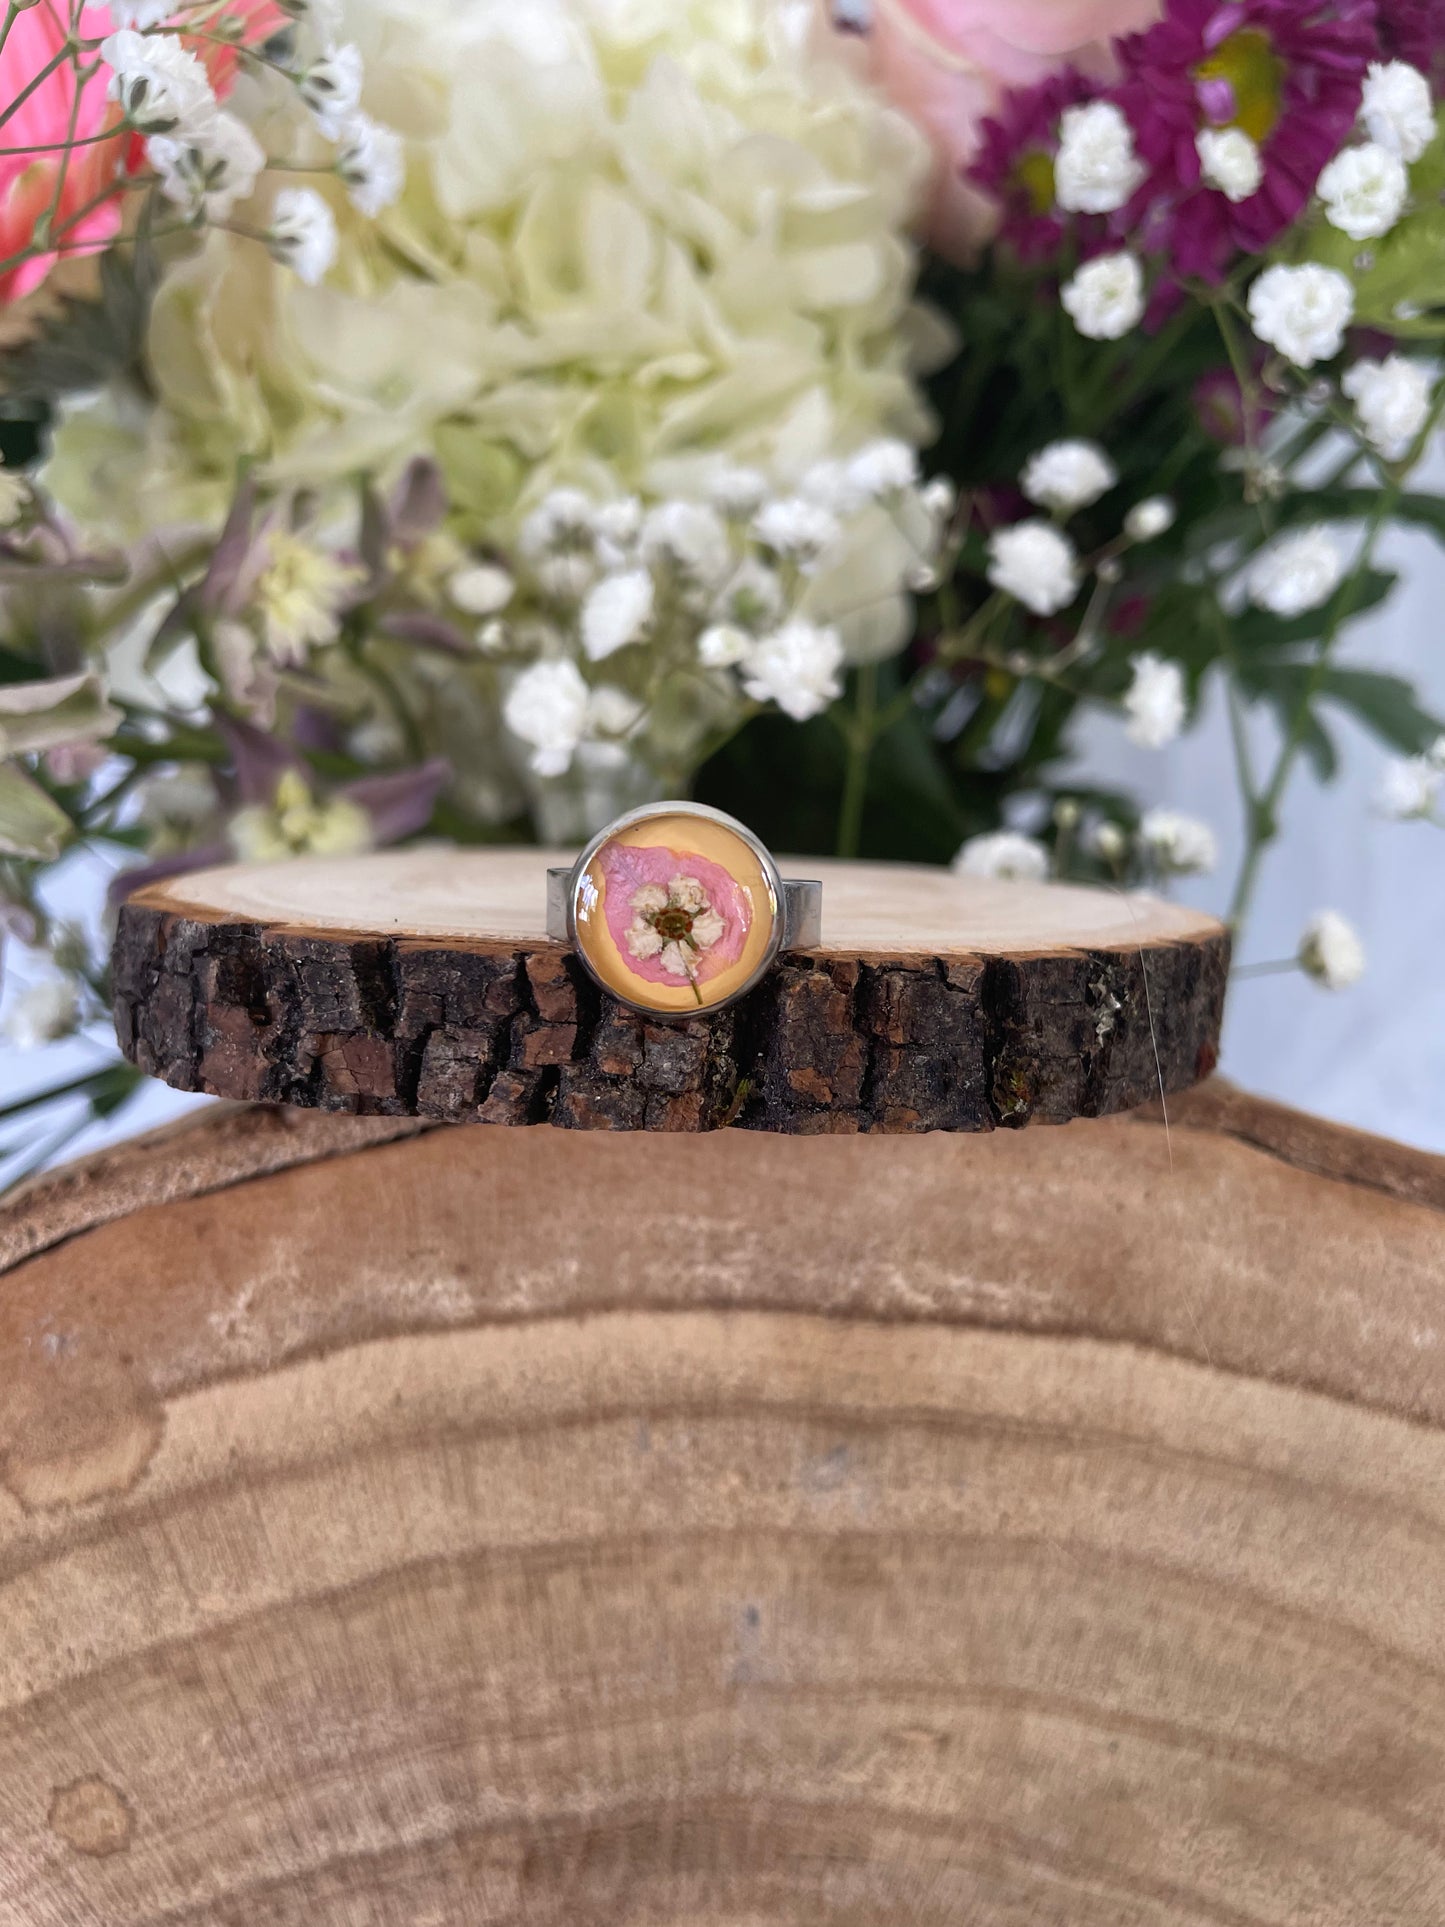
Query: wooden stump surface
422,983
415,1527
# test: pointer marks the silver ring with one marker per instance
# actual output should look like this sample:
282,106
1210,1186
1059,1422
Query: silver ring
677,910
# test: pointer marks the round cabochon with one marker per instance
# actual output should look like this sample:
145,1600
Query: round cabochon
677,909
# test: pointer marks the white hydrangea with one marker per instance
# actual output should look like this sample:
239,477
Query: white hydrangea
1330,951
1068,475
1364,190
1296,573
302,233
1036,564
1096,168
209,166
1302,311
1105,297
1409,787
1005,854
1177,844
1152,517
1397,109
1154,704
617,612
161,88
1229,160
547,707
1392,402
798,667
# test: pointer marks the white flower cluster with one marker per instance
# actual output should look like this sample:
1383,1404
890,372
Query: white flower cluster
1007,855
1096,169
1297,573
1302,311
1105,297
207,159
1392,402
1411,786
1330,951
1154,704
732,587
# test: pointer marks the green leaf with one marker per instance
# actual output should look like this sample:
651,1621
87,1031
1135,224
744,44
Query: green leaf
1386,705
1256,631
31,823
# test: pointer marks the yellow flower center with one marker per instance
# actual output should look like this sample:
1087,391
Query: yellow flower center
1255,74
1035,175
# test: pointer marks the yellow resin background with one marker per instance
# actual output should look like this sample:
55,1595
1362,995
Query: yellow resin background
687,836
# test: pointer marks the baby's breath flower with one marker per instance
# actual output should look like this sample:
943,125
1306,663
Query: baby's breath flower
1330,951
302,234
1005,854
1392,401
722,645
1397,108
331,88
1297,573
884,468
371,161
1152,517
547,708
1035,564
797,530
1303,311
207,168
1067,476
1096,168
798,667
690,538
42,1013
1409,787
1364,190
613,712
1155,703
617,612
1105,297
1229,161
161,88
1177,844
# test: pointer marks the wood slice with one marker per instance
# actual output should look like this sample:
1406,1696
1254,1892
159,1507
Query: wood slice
423,984
494,1529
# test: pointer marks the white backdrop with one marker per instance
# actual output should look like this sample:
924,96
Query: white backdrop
1372,1056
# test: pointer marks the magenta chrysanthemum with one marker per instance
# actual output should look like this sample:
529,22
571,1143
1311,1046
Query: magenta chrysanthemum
1287,73
1015,164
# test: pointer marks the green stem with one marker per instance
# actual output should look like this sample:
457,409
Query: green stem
862,733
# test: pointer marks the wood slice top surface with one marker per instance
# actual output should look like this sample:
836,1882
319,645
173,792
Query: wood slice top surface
423,983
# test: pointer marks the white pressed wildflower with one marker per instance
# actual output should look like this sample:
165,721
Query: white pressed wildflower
797,530
1006,854
1105,297
1178,844
1229,161
208,168
371,161
1096,168
798,667
1392,402
1296,573
14,497
302,233
1067,475
1330,951
723,645
1397,109
1154,703
41,1013
1364,190
689,537
1303,311
1035,564
299,596
331,88
1152,517
547,708
617,612
1409,787
161,88
484,589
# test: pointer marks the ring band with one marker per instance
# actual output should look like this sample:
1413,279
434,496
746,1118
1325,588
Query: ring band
677,910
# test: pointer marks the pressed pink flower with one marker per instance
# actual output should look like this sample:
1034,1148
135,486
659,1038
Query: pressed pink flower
949,65
645,883
1287,73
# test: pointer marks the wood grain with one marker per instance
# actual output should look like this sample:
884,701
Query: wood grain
423,984
490,1527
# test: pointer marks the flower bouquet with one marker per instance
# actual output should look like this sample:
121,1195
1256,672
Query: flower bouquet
466,421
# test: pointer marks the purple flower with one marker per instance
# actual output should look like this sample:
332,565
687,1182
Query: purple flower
1015,164
1287,73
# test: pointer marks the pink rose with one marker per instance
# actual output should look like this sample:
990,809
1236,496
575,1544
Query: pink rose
948,63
